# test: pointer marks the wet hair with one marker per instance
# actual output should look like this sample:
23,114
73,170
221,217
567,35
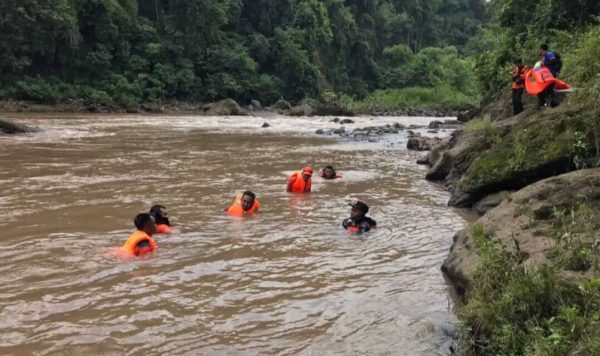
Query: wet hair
250,194
329,167
155,212
544,47
141,220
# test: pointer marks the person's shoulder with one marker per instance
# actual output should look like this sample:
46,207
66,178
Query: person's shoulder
371,221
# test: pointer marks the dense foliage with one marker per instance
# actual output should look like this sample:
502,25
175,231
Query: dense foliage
132,51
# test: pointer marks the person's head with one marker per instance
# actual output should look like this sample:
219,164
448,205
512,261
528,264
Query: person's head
160,214
518,61
328,172
145,222
543,49
359,209
248,199
307,172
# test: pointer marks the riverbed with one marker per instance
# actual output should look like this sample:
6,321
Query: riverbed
288,281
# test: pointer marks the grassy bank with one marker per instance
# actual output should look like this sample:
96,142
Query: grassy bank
515,309
407,98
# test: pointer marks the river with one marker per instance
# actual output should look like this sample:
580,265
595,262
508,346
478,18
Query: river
288,281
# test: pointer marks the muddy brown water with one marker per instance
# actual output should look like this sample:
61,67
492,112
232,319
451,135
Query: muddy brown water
288,281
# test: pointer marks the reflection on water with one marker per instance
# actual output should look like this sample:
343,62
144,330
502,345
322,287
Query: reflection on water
287,281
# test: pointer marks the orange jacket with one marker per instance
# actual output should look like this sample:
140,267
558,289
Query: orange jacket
236,207
138,236
163,229
518,77
297,184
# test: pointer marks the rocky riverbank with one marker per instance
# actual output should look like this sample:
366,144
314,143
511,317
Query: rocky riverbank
227,107
526,269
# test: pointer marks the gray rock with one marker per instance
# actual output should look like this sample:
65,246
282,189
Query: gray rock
452,122
418,143
223,108
346,121
490,202
340,131
282,104
12,128
265,125
256,104
435,124
335,119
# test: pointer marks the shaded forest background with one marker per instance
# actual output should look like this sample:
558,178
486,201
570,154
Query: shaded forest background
363,53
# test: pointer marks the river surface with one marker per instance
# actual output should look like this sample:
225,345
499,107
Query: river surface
288,281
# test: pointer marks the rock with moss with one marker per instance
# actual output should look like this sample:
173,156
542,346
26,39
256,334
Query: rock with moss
282,105
553,219
224,107
12,128
491,156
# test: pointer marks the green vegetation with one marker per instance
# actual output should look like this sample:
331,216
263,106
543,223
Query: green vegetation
515,309
132,51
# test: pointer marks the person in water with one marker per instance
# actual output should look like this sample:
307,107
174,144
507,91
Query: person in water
161,217
243,204
518,85
553,62
329,173
141,241
301,182
359,222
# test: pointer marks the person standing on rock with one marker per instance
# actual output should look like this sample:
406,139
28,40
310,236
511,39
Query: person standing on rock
553,62
518,85
300,182
359,222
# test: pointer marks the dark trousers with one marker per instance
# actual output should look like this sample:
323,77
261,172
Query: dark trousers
545,98
516,101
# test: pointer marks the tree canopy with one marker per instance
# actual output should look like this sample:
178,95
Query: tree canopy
132,51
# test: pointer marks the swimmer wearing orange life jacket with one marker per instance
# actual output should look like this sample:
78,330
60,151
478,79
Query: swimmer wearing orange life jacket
141,241
243,204
161,217
300,182
359,222
329,173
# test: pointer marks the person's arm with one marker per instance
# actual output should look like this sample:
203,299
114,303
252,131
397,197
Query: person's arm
142,248
291,182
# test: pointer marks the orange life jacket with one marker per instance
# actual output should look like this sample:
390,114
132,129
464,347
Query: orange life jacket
135,238
540,78
297,184
163,229
520,72
236,207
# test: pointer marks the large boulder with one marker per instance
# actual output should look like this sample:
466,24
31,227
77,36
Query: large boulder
421,143
11,128
282,105
224,107
487,157
526,222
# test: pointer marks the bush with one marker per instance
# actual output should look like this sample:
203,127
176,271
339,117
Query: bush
517,310
397,99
